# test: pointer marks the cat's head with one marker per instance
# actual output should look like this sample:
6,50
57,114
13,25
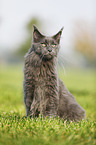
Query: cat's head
45,47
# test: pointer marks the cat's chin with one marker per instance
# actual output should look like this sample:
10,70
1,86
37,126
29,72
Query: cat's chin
47,57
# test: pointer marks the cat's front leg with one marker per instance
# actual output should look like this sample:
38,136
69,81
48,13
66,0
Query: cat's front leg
51,105
28,102
28,98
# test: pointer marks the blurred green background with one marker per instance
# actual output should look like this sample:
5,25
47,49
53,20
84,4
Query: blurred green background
78,41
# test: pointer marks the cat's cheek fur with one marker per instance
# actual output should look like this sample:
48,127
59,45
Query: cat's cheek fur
38,50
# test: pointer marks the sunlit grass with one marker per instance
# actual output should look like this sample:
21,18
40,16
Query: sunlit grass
16,129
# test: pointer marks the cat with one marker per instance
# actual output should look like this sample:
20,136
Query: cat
44,92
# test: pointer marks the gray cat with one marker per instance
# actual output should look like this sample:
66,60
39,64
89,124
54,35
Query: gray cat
44,92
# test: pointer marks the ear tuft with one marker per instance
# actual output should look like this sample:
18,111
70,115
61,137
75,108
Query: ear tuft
34,27
58,35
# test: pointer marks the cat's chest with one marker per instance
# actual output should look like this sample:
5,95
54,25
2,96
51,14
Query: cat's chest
43,74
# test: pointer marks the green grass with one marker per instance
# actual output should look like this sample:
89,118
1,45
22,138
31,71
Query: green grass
16,129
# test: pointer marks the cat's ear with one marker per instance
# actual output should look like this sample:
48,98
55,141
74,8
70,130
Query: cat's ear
37,36
58,35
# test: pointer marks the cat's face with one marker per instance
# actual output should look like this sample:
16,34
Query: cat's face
46,47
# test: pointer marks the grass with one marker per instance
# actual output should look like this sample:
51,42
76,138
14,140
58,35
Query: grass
16,129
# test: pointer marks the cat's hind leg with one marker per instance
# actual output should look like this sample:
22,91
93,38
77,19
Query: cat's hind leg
68,106
75,112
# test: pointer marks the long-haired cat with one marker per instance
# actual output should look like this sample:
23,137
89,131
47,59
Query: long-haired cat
44,92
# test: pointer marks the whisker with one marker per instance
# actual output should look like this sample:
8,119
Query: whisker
65,58
61,65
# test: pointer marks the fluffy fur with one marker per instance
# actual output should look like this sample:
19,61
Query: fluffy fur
44,92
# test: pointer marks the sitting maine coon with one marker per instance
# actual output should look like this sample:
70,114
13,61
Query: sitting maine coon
44,92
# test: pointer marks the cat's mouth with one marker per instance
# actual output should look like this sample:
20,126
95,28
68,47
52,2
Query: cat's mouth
47,56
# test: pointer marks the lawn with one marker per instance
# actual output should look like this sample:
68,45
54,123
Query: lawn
15,129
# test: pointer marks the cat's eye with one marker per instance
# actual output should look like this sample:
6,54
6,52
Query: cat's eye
43,44
53,45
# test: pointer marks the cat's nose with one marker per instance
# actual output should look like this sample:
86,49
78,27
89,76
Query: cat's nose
49,50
